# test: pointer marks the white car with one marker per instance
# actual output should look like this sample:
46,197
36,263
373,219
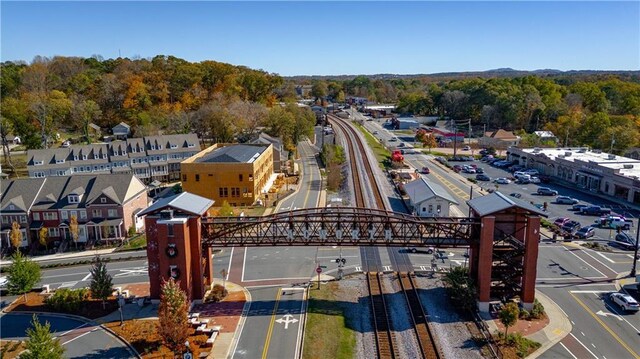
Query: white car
502,180
534,180
3,281
625,301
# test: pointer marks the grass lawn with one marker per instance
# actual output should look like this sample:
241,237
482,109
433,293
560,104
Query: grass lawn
326,332
138,242
382,154
19,161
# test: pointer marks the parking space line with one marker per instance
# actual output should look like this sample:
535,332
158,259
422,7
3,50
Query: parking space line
605,257
587,263
568,351
596,259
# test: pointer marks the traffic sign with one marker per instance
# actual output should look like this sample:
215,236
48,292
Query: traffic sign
322,266
318,270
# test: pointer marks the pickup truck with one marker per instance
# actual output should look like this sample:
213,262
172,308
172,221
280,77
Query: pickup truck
595,211
613,222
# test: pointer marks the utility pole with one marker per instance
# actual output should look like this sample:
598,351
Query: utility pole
635,253
613,140
455,137
469,132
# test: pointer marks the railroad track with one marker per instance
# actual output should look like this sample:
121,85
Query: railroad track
386,343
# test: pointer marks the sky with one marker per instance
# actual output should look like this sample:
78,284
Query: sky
334,38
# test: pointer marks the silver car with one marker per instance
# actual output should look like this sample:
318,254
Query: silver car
566,200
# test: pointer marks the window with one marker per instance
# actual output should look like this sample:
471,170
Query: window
73,198
223,192
83,214
439,208
240,177
104,156
103,200
75,157
235,192
84,157
5,219
50,216
170,230
38,174
38,162
62,173
113,213
97,213
197,178
174,146
191,145
36,216
60,161
53,232
184,178
74,214
250,178
430,208
64,215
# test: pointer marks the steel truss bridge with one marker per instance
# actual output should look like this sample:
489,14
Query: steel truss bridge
339,226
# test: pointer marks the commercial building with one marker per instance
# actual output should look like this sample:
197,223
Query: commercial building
428,199
499,139
104,206
240,174
592,170
153,158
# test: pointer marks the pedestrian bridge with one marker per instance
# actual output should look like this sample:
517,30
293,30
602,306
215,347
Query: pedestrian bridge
339,226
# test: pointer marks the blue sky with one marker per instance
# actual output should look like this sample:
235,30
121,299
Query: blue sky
334,38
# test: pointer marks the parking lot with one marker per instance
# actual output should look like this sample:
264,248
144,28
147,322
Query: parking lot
528,192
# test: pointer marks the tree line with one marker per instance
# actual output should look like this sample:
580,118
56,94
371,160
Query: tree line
218,101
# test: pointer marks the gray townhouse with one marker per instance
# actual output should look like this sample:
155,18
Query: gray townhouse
153,158
105,207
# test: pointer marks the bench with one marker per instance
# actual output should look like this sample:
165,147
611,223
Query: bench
194,315
216,328
212,338
201,328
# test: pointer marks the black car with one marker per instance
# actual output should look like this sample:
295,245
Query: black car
625,240
516,195
483,177
479,170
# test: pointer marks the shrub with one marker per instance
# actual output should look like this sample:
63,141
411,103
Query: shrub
67,300
537,311
132,231
461,288
524,314
217,293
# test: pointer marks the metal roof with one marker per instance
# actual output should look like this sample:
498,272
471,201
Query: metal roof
423,189
498,202
185,201
234,153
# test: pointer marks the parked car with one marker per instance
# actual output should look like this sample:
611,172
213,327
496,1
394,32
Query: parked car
516,195
466,148
625,301
479,170
559,222
457,168
534,180
595,210
425,170
625,240
393,139
441,159
614,222
469,169
3,281
578,207
532,172
585,232
502,180
483,177
566,200
544,191
571,227
375,132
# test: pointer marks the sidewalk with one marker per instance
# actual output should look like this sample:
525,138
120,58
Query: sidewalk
558,327
89,254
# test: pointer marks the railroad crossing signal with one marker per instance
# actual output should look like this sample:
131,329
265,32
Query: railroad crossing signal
341,260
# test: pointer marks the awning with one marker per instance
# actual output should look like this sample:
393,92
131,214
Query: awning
36,225
588,174
106,222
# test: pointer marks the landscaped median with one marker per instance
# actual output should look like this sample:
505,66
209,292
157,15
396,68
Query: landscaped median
383,156
327,333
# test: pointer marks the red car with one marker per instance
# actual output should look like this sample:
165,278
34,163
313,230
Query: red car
561,221
457,168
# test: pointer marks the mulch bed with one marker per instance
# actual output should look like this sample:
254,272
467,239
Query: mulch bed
10,349
91,308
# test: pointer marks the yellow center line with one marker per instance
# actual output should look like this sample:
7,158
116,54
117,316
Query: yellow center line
613,334
270,331
456,190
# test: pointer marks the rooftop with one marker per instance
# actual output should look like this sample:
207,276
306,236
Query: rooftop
498,202
234,154
423,189
625,166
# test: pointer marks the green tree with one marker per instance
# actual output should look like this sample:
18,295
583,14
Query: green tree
173,325
15,235
41,343
23,275
83,113
226,210
509,316
101,282
319,90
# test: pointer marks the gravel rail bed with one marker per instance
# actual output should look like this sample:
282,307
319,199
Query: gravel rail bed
400,319
449,327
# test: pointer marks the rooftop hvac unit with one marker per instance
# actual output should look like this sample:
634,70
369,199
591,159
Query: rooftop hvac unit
537,149
612,157
627,167
597,151
567,154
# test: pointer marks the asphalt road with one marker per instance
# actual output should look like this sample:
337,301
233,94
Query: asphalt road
80,339
134,271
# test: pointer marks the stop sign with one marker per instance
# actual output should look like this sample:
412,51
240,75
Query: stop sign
318,270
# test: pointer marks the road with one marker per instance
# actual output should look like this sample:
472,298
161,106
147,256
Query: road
134,271
80,339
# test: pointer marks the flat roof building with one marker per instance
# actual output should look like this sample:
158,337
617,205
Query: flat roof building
240,174
592,170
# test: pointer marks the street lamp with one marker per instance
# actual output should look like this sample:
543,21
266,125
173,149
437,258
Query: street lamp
635,253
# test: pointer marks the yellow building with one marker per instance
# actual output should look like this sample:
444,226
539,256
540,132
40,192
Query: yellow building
237,173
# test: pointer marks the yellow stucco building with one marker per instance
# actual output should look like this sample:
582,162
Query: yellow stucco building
237,173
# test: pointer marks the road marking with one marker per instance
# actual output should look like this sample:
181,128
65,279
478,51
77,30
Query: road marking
86,277
623,318
595,259
613,334
605,257
358,269
270,331
335,257
593,345
584,346
79,336
69,331
244,261
568,351
67,284
583,334
605,314
386,268
286,319
590,291
594,268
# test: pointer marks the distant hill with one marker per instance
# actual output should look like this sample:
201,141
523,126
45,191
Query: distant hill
502,72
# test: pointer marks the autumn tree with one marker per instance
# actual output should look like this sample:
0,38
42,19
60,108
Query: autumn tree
509,316
101,281
41,343
173,325
83,113
23,275
74,230
43,234
15,235
226,210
